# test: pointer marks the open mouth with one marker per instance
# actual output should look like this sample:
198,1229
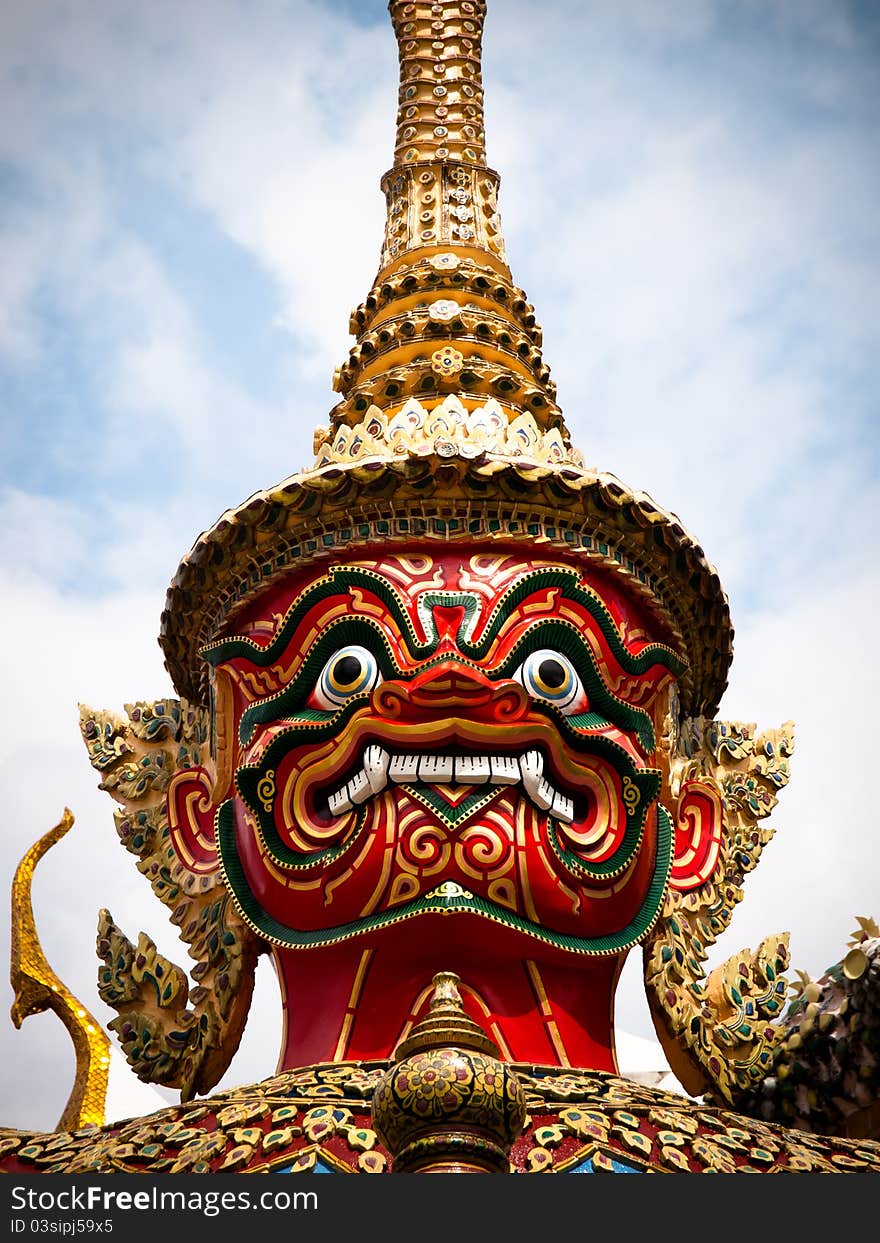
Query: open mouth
380,768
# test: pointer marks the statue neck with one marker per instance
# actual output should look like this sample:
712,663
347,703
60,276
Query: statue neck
355,1002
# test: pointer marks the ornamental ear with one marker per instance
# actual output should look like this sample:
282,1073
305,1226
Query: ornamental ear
719,1033
191,820
699,821
155,763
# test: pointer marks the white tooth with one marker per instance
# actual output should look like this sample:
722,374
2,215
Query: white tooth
538,790
530,781
563,807
376,761
504,770
532,763
472,769
436,768
544,794
404,768
340,802
359,788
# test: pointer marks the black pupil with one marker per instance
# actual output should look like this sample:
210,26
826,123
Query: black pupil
551,673
347,670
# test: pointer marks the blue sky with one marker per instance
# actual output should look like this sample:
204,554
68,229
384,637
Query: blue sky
189,208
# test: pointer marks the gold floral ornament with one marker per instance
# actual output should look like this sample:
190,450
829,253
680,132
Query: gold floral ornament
447,363
445,263
450,429
602,1129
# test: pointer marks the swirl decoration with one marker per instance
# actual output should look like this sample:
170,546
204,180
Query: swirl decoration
718,1032
266,790
191,820
612,836
483,850
426,848
631,795
698,834
599,834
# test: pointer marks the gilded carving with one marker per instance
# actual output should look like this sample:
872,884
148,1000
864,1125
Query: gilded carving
726,1024
319,1119
37,988
170,1033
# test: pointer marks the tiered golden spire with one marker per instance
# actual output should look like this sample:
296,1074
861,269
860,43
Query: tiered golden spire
443,317
440,191
441,89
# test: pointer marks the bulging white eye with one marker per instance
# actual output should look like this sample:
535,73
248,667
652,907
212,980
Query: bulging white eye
350,671
550,676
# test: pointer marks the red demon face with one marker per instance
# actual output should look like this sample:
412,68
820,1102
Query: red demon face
439,732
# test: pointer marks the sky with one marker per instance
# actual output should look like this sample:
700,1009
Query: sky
189,209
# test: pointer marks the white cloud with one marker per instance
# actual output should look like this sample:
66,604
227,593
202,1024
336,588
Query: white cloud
41,538
813,661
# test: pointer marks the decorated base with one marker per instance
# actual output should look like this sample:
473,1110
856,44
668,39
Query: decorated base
318,1120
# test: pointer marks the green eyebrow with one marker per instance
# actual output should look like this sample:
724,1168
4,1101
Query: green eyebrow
340,579
336,582
568,580
563,636
341,632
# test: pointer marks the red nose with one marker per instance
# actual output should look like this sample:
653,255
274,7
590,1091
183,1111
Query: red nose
451,688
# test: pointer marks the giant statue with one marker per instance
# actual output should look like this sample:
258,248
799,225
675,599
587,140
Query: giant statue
446,748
